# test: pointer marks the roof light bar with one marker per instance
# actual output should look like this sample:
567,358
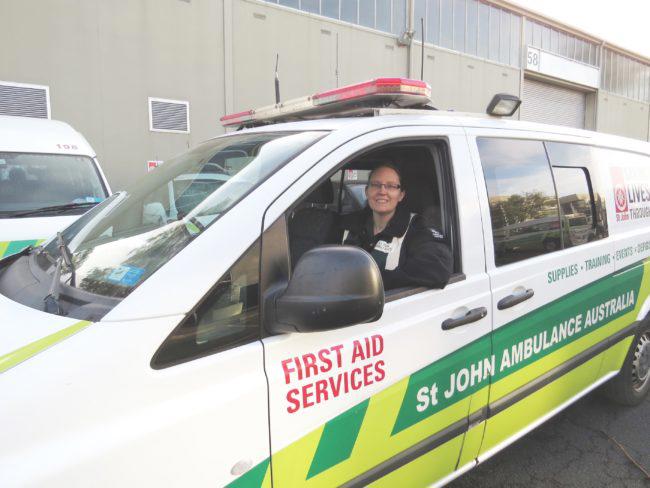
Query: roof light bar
393,86
377,93
237,118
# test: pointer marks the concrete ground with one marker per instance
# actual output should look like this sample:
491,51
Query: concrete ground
574,449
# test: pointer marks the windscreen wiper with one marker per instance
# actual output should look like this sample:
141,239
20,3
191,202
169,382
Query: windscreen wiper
52,298
53,208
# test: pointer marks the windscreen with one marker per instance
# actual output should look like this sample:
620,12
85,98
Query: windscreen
121,242
29,182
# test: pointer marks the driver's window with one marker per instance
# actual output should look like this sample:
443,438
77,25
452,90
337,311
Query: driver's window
324,214
228,317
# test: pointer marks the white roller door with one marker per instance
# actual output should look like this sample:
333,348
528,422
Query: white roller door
551,104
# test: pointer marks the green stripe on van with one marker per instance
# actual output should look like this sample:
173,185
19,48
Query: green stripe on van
30,350
8,248
253,478
338,439
522,342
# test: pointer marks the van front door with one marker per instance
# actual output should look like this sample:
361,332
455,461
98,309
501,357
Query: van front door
386,402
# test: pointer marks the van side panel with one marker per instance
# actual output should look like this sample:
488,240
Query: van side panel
424,470
573,331
610,305
509,422
362,438
628,210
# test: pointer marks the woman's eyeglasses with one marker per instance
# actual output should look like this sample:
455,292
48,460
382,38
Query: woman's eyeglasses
388,186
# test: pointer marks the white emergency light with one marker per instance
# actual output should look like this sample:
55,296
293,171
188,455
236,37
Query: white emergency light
503,105
348,100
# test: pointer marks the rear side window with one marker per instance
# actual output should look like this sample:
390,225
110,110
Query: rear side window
577,208
522,198
581,194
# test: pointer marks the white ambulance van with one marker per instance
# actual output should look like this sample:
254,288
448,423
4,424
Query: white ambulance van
195,349
49,176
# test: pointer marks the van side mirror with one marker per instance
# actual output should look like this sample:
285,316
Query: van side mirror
331,287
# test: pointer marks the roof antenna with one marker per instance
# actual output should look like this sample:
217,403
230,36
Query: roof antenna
277,79
422,57
336,72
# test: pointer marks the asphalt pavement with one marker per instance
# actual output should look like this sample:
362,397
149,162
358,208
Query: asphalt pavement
578,448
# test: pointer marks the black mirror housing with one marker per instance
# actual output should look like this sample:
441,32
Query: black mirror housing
331,287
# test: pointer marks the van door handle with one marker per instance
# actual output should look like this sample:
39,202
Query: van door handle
512,300
471,316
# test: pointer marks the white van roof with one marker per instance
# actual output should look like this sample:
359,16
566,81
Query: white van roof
32,135
392,118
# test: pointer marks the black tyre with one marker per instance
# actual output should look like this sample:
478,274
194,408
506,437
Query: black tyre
631,385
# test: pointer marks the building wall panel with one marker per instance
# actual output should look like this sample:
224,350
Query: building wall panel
463,83
102,60
307,46
622,116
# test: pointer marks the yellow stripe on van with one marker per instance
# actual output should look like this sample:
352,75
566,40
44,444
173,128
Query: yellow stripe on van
30,350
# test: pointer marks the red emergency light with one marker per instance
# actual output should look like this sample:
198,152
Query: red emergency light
394,86
237,118
377,93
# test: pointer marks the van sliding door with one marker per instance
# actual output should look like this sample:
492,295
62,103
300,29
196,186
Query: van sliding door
551,267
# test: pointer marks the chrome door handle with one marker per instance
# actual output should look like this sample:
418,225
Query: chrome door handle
512,300
471,316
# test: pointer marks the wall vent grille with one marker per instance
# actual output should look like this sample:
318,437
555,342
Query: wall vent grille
169,115
23,100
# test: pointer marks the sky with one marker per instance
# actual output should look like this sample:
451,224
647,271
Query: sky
624,23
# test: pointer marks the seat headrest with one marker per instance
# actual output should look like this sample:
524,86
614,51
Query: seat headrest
323,194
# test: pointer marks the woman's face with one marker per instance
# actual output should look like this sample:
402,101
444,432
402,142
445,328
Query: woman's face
384,190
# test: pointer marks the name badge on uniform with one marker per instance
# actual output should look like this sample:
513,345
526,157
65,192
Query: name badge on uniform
383,246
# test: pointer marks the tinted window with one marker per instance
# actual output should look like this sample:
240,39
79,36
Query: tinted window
523,204
228,318
367,13
433,21
581,159
399,16
576,206
383,15
459,25
330,8
349,10
446,23
309,5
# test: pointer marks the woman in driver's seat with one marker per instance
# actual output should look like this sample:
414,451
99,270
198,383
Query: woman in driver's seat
407,249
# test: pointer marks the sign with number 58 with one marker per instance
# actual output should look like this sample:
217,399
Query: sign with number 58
532,58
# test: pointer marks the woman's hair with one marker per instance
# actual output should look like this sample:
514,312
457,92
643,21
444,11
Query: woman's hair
390,166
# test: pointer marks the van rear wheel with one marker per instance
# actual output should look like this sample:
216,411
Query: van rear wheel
631,385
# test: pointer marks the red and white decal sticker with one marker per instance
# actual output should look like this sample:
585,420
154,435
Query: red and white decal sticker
631,193
333,371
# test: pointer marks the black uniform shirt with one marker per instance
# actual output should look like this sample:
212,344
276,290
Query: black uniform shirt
408,251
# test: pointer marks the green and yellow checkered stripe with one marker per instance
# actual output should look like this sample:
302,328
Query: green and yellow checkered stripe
7,248
388,423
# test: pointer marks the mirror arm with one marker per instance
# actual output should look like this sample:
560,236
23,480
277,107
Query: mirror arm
270,322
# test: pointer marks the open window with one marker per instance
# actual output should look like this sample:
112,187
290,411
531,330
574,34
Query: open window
424,166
